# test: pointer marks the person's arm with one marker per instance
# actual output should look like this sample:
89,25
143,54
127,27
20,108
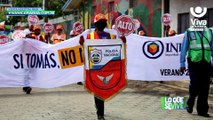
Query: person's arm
62,37
123,38
52,38
184,49
65,37
31,28
212,49
212,45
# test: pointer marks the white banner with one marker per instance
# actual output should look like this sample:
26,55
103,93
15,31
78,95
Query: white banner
154,59
28,62
10,76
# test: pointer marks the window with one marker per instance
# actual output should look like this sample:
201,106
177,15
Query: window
4,1
210,17
166,6
132,3
10,1
111,6
183,22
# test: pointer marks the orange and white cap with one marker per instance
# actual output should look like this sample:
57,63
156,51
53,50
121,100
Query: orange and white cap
37,27
141,33
172,32
59,27
99,17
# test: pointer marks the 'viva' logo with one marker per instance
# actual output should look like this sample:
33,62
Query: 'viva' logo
196,22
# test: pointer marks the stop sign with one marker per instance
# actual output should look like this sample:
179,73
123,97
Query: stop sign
3,39
48,27
124,25
166,19
18,34
78,27
33,19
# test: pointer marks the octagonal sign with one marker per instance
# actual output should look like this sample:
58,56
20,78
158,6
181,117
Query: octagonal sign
18,34
33,19
78,27
48,27
166,19
124,25
4,39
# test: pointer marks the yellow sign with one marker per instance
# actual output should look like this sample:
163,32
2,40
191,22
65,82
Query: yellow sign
71,57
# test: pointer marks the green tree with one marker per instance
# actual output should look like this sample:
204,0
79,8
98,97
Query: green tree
2,16
57,6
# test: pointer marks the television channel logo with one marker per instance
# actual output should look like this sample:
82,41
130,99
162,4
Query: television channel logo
173,103
198,23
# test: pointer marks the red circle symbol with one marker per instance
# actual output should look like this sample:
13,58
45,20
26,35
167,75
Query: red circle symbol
78,27
48,27
33,19
166,19
124,25
3,39
17,35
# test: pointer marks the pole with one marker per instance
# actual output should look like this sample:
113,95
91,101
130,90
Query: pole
43,5
47,36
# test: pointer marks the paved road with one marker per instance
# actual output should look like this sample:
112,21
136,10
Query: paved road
140,101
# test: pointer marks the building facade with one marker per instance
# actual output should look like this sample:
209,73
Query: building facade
147,12
181,16
3,5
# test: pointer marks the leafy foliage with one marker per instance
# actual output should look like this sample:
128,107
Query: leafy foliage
2,16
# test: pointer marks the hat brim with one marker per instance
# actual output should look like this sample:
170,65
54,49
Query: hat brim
102,20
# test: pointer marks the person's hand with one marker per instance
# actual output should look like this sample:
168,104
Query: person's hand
30,36
182,69
123,38
81,41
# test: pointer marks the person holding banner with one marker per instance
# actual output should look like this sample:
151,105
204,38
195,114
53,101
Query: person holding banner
59,36
27,89
100,22
37,34
199,45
